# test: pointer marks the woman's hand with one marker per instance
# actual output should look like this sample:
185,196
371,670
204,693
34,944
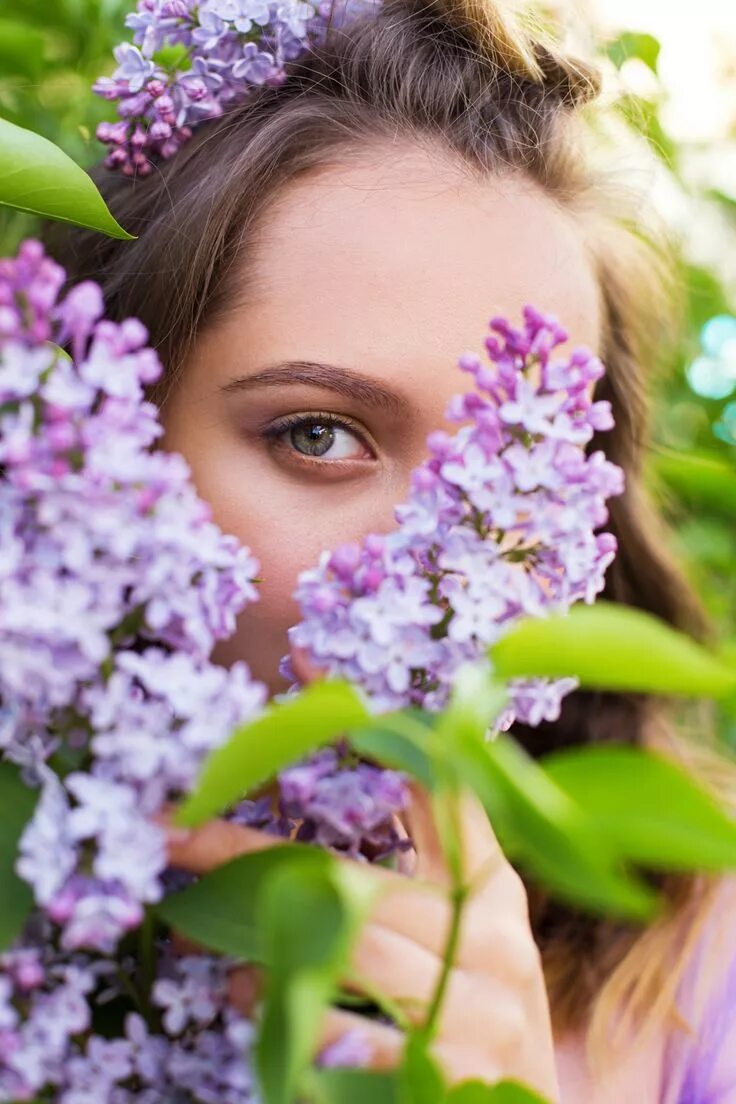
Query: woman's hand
494,1022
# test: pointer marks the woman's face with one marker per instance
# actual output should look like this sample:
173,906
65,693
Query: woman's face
303,410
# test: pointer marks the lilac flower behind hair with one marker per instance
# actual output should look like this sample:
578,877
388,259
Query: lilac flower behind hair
226,47
502,523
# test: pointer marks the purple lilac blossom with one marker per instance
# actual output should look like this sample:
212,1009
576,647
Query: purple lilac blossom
47,1043
344,806
115,585
503,522
229,47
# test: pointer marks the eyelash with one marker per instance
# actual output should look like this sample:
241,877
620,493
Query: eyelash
280,428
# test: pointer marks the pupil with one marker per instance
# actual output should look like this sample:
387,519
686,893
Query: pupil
313,438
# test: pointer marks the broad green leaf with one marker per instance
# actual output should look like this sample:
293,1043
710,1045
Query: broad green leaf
651,810
505,1092
36,176
420,1078
307,921
219,910
17,803
613,647
399,741
535,821
284,733
539,825
352,1086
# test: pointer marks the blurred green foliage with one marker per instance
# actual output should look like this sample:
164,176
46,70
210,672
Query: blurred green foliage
51,52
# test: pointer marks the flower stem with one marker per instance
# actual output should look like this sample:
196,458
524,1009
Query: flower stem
457,902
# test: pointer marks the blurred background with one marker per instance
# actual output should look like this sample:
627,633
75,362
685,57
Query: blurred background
670,82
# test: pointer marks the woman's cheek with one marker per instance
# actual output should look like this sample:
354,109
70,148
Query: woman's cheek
261,634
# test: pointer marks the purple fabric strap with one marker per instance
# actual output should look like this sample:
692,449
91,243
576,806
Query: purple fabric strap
700,1068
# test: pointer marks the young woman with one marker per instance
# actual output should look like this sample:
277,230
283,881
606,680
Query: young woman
309,267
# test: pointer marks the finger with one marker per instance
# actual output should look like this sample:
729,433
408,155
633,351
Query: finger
200,850
384,1042
385,963
479,849
481,852
430,863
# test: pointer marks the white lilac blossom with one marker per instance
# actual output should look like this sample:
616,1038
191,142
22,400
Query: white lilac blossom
503,522
224,48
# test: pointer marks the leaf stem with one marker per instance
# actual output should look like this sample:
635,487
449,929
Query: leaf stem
457,901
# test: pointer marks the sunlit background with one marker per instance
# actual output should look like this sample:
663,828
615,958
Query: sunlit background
695,89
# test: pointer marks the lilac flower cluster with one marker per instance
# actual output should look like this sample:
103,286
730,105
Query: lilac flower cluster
501,524
48,1041
114,586
223,48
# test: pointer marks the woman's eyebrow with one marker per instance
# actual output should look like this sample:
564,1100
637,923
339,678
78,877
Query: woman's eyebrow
331,377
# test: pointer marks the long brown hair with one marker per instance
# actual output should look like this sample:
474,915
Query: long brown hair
465,78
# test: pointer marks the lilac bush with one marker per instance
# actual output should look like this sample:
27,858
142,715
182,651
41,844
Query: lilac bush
502,523
225,48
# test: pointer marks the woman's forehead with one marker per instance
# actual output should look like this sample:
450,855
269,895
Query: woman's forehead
401,250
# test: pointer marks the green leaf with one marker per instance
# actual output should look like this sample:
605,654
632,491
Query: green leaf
420,1078
308,920
36,176
352,1086
17,803
285,732
175,58
220,910
613,647
651,810
399,741
539,825
505,1092
632,44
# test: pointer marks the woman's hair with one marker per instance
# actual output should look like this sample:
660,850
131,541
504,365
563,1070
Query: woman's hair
464,78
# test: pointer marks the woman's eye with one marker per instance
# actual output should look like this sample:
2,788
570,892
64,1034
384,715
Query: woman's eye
321,439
